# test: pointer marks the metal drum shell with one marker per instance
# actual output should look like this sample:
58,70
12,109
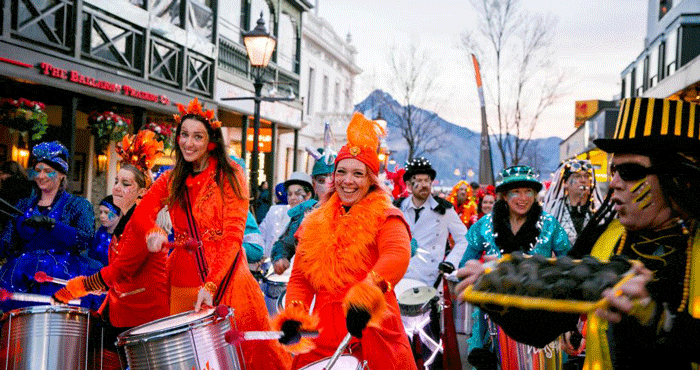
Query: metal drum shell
418,308
345,362
273,289
46,337
462,311
184,347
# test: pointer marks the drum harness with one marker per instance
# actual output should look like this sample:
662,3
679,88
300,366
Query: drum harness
202,266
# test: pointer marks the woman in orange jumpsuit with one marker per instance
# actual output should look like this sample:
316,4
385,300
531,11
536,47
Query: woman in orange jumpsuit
207,197
352,250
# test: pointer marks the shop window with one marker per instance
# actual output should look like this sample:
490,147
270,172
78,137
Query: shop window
113,42
664,7
47,22
165,61
199,74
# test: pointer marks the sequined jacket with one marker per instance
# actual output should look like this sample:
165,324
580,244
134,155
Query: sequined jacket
73,231
481,238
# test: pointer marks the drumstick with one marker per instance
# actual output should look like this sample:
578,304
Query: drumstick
11,207
29,297
42,277
338,352
235,336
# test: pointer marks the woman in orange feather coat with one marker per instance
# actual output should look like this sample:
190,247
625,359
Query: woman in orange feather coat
352,250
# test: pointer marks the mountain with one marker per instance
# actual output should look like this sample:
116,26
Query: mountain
462,144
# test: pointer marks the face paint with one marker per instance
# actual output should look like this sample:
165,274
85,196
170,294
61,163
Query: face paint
111,216
52,175
642,199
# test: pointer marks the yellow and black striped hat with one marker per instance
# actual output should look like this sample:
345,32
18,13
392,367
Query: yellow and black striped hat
647,125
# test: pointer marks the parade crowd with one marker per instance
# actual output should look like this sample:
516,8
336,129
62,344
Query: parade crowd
340,259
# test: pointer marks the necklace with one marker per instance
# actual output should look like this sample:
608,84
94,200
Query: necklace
688,260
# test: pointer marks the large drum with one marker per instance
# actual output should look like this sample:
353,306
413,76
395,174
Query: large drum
462,311
186,341
45,338
415,301
345,362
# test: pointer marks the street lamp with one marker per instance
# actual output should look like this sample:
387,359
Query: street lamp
260,45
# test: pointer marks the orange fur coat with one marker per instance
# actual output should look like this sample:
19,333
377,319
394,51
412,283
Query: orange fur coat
338,251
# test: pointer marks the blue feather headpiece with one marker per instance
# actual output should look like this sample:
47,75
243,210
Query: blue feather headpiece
53,153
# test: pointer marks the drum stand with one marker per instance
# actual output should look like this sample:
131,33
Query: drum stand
419,337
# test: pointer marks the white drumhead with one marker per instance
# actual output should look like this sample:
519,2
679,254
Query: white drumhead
405,284
278,278
345,362
284,278
417,296
172,322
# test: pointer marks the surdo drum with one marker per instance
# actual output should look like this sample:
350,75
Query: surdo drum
414,297
45,338
186,341
345,362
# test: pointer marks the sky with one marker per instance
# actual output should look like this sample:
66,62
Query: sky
594,40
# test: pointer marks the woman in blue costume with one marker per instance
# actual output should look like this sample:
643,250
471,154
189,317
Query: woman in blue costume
52,231
517,223
109,217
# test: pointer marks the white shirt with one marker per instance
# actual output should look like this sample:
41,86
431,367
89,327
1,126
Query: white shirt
431,232
273,225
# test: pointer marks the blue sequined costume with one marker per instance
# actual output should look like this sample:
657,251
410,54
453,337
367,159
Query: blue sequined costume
482,238
100,246
55,251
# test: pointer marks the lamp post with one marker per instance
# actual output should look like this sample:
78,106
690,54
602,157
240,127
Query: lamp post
260,45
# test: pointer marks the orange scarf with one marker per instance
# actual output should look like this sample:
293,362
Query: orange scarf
334,246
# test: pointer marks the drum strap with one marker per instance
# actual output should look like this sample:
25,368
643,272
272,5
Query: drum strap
202,267
226,281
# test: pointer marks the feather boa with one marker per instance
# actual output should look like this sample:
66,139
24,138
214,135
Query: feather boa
334,246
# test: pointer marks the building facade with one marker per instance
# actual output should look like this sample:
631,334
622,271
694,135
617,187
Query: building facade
669,65
139,58
327,74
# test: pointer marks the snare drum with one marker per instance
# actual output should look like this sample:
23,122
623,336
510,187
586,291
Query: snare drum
45,337
189,340
345,362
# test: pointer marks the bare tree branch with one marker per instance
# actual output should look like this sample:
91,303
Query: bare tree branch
413,83
513,47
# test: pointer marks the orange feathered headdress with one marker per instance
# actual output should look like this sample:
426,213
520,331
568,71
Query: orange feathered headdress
141,150
195,108
363,142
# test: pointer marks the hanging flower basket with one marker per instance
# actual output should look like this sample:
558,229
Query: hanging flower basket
107,126
24,115
164,133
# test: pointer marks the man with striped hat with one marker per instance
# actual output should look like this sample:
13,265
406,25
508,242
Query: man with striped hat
655,188
651,215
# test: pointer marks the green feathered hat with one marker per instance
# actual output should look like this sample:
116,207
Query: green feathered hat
517,177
